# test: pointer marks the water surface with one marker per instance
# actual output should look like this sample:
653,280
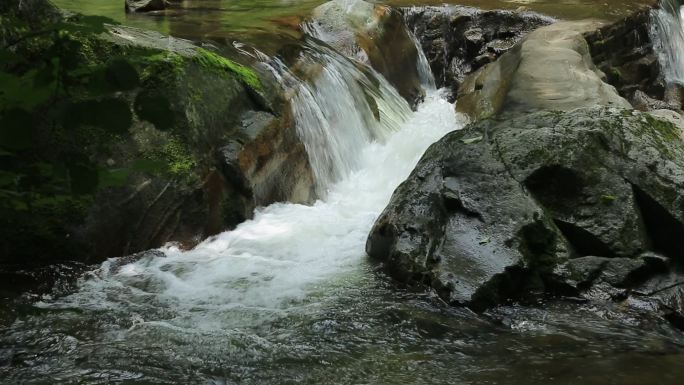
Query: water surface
268,24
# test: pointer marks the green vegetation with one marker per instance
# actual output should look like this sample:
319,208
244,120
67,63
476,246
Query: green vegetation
214,61
179,159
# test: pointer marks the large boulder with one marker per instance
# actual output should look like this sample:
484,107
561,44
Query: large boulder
149,140
492,211
372,34
459,40
550,69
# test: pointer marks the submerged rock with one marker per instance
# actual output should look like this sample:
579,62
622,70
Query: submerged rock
492,211
459,40
372,34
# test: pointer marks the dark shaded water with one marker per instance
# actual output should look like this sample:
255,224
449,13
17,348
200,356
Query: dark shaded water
369,333
290,297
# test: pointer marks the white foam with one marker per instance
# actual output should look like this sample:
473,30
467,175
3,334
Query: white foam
285,254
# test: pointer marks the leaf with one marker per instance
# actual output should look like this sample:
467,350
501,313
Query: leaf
84,178
113,177
149,165
154,108
23,91
8,178
16,128
607,199
485,241
472,140
86,24
9,58
111,114
121,75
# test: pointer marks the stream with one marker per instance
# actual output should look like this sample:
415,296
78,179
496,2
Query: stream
290,296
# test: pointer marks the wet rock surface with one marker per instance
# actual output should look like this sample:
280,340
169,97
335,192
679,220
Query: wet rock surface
372,34
217,142
549,202
550,69
624,52
459,40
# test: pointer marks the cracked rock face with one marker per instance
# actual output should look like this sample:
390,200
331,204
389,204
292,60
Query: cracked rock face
459,40
491,212
550,69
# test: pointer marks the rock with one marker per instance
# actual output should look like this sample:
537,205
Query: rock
372,34
550,69
624,52
207,141
671,116
490,212
643,102
459,40
578,275
146,5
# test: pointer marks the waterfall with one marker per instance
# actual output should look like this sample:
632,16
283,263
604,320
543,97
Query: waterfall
667,33
362,140
424,70
342,109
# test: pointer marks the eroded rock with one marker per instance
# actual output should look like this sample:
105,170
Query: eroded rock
491,211
459,40
550,69
205,141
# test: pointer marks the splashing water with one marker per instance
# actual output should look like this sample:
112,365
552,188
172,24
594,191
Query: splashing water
667,33
286,254
343,109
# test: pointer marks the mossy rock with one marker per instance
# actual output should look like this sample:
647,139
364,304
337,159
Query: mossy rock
130,138
477,220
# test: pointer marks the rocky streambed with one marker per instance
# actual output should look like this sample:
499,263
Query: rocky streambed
540,243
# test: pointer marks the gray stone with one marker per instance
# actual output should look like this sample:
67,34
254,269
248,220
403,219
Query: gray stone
549,70
478,219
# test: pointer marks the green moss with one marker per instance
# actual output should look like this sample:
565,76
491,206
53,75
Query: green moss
616,74
667,130
162,68
216,62
180,161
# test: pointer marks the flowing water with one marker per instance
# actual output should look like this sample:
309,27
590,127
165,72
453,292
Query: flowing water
291,298
667,32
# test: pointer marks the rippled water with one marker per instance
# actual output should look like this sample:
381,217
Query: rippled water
269,24
290,297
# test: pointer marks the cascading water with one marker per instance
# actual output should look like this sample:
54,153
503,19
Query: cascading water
340,111
289,296
362,140
667,32
424,70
